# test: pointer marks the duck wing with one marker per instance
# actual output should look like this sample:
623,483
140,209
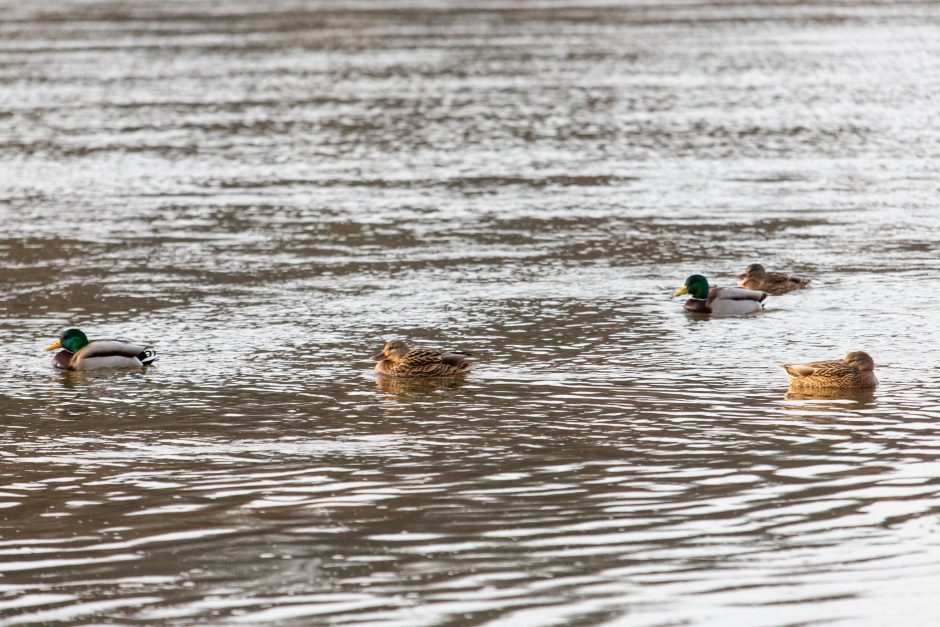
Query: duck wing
781,281
427,362
831,368
454,359
111,354
111,348
421,357
797,281
735,293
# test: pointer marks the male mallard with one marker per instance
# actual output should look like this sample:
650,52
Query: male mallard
755,277
80,354
856,371
397,360
722,301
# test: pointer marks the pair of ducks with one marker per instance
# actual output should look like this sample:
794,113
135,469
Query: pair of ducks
855,371
397,359
756,284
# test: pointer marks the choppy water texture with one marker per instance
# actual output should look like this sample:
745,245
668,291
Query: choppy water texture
265,191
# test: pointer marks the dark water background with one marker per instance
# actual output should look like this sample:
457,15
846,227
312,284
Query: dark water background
264,191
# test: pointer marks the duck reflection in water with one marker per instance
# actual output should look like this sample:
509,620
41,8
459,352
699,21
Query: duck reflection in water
417,387
828,406
83,378
838,397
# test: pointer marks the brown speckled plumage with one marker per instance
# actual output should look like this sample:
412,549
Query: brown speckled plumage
856,371
755,277
397,360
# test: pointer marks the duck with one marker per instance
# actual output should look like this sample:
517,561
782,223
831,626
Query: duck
80,353
722,301
856,371
398,360
755,277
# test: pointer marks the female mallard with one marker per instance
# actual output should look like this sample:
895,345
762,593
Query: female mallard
722,301
755,277
397,360
855,372
80,354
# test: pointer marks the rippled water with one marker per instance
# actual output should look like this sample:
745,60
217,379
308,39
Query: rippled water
266,191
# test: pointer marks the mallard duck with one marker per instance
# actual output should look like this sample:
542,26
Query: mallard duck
81,354
722,301
855,372
397,360
755,277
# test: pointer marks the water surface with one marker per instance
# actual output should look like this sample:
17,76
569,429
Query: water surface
265,193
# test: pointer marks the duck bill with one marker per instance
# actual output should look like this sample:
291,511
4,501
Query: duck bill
741,276
379,357
53,346
682,290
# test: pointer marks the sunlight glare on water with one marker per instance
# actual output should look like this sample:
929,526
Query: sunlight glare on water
265,194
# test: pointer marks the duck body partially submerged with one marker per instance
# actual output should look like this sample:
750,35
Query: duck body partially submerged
80,353
854,372
756,277
398,360
720,301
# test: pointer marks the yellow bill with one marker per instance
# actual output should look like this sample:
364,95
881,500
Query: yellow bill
682,290
57,344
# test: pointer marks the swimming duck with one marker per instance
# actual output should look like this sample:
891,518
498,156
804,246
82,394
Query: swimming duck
81,354
397,360
855,372
755,277
722,301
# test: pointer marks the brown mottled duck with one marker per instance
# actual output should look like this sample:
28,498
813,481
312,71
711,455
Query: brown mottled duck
855,372
755,277
398,360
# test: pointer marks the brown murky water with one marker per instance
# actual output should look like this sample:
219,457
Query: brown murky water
264,191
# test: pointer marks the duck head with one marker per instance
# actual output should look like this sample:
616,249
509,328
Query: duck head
71,340
754,271
696,286
393,351
859,360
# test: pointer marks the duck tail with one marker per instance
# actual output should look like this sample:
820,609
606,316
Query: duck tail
147,357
